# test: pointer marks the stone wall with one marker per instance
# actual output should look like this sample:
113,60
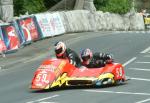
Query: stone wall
6,10
83,20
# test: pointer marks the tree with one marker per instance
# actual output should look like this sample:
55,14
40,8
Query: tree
49,3
114,6
18,7
32,6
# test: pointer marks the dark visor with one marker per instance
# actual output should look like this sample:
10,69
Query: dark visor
86,58
58,51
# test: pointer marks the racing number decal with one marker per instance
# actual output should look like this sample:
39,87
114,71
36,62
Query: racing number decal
119,72
42,77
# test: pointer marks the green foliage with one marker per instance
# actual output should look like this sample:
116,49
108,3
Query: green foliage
114,6
18,7
32,6
50,3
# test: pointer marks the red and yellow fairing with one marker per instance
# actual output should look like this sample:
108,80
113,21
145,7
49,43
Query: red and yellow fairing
58,72
49,73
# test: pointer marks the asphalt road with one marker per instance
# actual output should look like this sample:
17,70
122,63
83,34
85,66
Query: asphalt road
130,49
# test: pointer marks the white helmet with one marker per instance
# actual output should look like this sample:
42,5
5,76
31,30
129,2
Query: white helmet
60,48
86,54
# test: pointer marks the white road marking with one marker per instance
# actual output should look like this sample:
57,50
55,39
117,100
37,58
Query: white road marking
35,58
140,69
72,34
42,99
142,79
129,61
17,61
146,55
48,102
145,100
146,50
114,92
143,62
133,78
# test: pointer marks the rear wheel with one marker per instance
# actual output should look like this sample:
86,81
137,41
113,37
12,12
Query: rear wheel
120,82
107,81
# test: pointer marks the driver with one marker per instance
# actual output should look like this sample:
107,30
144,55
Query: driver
66,53
94,60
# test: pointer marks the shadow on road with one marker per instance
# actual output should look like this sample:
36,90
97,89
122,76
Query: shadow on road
74,88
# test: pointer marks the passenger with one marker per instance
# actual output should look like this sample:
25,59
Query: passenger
95,60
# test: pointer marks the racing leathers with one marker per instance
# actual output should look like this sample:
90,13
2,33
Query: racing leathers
72,57
98,60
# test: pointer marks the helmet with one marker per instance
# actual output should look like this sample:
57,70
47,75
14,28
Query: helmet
86,54
60,48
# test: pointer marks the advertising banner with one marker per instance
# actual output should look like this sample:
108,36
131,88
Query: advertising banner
10,37
56,24
19,33
29,29
43,25
2,44
50,24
